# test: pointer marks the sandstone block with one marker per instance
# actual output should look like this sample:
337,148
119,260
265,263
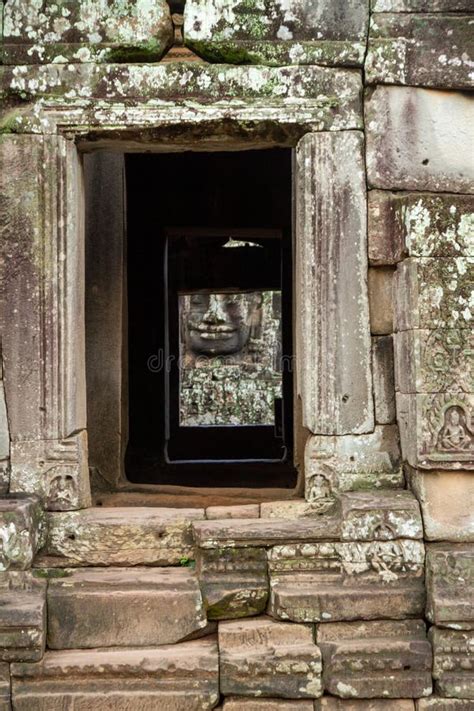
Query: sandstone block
238,511
421,5
85,32
4,430
381,300
238,533
22,621
297,508
419,225
446,500
332,703
121,607
434,430
5,696
168,678
419,50
376,659
334,377
117,536
433,293
384,379
418,139
262,657
380,515
234,581
240,703
21,530
353,462
4,476
346,581
437,361
271,33
453,662
450,585
437,703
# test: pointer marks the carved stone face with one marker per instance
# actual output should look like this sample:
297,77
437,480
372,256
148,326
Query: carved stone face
219,324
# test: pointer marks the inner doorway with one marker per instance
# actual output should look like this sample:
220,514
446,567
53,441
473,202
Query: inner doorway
209,268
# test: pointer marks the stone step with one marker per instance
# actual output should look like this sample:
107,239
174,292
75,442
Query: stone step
181,677
123,607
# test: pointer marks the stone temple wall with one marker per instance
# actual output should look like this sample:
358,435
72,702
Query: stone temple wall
359,595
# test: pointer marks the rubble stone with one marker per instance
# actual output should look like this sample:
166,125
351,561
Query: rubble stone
417,138
22,620
234,581
167,678
121,607
347,581
384,379
119,536
381,300
272,33
376,659
21,530
419,50
453,662
261,657
450,585
85,32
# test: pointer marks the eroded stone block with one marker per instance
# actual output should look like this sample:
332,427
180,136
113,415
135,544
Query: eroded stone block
434,293
261,657
4,429
240,703
237,511
346,581
453,662
22,619
120,607
332,703
420,50
450,585
434,430
383,371
234,581
5,688
298,508
118,536
419,225
437,703
381,300
418,139
446,500
21,530
69,32
167,678
380,516
273,33
376,659
334,377
353,462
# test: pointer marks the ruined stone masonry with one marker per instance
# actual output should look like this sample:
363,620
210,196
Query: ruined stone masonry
354,591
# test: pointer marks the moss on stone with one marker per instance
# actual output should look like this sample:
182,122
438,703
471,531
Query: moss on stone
49,573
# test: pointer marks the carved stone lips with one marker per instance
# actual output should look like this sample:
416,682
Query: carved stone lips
214,332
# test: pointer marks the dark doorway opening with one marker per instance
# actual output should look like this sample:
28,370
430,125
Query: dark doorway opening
209,265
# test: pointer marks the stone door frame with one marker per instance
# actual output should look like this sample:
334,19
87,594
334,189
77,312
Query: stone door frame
44,347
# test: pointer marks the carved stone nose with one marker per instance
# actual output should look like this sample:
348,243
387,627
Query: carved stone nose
215,313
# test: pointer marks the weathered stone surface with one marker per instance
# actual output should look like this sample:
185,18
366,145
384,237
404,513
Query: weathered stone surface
275,33
93,31
435,431
349,463
421,5
262,657
43,340
418,139
381,300
450,585
380,516
446,500
5,688
4,430
237,511
238,533
234,581
420,50
434,293
298,508
453,653
105,307
419,225
22,620
332,318
331,703
346,581
168,678
240,703
434,361
120,607
376,659
384,379
437,703
21,530
116,536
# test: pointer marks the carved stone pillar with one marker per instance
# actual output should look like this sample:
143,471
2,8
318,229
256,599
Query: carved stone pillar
43,329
